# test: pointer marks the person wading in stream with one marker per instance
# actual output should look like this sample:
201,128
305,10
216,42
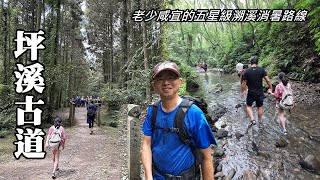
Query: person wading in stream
164,154
283,86
252,78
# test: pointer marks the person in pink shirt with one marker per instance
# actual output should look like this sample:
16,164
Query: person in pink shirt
283,83
55,141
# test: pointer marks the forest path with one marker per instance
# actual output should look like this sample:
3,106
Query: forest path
85,156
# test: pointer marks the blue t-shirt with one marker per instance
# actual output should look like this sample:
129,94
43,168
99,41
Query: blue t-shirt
168,152
94,107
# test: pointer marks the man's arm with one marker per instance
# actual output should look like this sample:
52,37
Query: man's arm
147,157
269,83
206,164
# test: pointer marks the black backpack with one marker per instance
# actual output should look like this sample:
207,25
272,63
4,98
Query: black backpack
91,112
179,122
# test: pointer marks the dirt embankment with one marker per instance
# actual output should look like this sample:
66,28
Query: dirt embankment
306,94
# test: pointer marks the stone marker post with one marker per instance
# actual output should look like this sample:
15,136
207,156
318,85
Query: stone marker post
133,141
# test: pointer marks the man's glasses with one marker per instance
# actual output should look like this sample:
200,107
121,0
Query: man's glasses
162,78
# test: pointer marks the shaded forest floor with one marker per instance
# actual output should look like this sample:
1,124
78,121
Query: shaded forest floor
85,156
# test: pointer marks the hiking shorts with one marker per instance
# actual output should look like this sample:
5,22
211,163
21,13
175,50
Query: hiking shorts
255,98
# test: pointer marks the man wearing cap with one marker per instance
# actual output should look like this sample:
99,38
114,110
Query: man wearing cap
164,155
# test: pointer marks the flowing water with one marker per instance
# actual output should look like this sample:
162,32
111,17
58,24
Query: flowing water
256,150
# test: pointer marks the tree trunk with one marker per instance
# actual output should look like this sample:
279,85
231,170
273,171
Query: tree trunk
111,49
146,66
5,44
124,40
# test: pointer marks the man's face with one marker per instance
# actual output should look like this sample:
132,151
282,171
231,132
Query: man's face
167,84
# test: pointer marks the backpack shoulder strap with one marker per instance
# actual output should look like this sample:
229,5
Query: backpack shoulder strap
154,114
179,120
182,133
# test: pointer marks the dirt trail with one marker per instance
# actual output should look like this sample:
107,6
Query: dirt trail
84,157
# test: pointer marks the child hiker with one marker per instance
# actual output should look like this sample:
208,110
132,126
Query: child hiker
55,142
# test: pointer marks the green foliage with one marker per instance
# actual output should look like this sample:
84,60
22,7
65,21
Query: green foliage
133,93
283,46
7,121
182,89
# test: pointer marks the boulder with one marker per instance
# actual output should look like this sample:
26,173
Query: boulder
192,85
219,168
218,152
238,135
230,175
311,163
281,143
217,110
218,175
223,125
216,163
249,175
222,133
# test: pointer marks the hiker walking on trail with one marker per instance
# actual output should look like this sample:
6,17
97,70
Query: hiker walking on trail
55,142
91,114
284,99
177,137
252,78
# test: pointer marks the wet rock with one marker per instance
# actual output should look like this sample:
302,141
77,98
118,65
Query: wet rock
249,175
218,152
216,163
217,110
311,163
238,135
223,125
219,168
281,143
254,147
296,170
222,133
219,175
214,128
317,176
222,142
285,153
238,106
230,175
191,85
264,154
214,120
315,138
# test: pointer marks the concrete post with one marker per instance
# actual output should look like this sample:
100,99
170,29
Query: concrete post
133,141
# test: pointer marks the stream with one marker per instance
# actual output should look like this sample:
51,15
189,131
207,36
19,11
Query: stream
256,151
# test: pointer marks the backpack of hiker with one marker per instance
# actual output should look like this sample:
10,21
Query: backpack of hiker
286,101
179,126
55,138
91,112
